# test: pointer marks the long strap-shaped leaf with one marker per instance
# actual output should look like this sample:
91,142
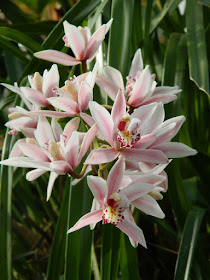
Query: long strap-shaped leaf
120,35
188,243
160,16
56,259
196,43
21,38
5,215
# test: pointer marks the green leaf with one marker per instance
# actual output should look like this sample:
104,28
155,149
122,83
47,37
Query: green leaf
14,50
176,55
106,251
204,2
168,4
56,259
128,260
188,243
86,236
137,26
8,100
97,13
196,45
120,35
115,253
21,38
5,214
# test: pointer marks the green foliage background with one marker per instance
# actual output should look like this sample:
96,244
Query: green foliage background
33,240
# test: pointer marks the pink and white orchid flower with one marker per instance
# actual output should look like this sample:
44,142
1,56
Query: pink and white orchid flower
142,136
140,88
41,88
114,203
34,97
73,98
53,149
79,39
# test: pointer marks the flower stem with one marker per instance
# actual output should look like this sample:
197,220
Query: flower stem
84,66
81,174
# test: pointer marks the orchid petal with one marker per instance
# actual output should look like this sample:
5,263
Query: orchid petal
115,177
163,134
135,191
33,151
145,141
137,64
165,90
52,179
26,162
144,112
34,96
95,206
71,126
98,188
51,114
57,130
16,151
88,139
146,178
149,205
64,104
72,150
119,107
141,88
175,150
88,219
44,133
129,215
144,155
88,119
102,156
50,81
108,86
95,42
115,76
84,96
132,231
156,169
165,99
34,174
155,119
75,40
57,57
21,122
61,167
103,120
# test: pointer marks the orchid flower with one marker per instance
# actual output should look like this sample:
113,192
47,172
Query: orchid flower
79,39
142,136
19,121
41,88
114,203
73,98
151,174
34,97
140,88
52,149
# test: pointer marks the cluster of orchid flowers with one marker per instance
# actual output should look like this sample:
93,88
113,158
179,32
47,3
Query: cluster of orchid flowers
131,137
